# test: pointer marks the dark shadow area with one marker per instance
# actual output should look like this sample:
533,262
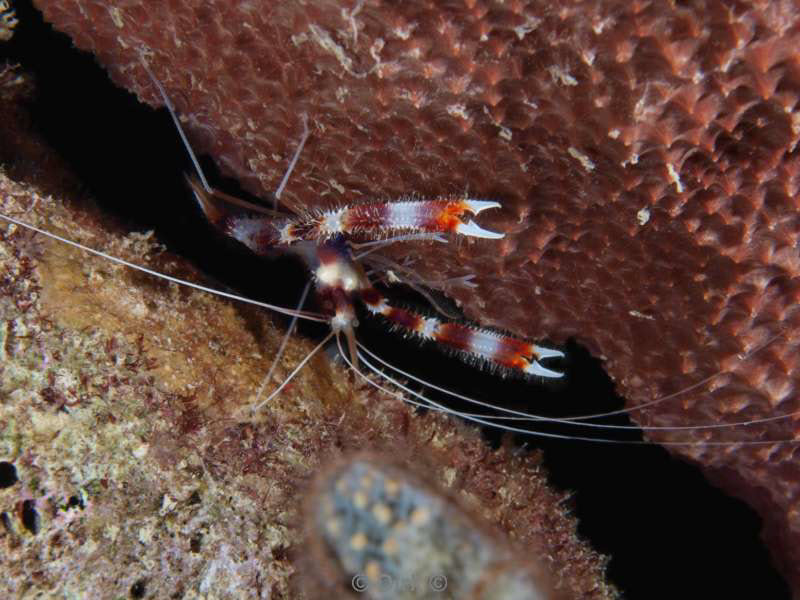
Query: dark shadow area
669,533
8,474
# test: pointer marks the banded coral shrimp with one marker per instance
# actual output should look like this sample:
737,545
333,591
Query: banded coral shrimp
464,373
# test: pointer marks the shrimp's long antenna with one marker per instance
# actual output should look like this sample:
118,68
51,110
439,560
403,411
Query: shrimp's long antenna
482,420
309,316
516,415
293,162
683,391
296,370
198,169
281,348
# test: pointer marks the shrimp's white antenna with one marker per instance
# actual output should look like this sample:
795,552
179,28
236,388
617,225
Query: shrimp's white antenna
683,391
198,169
296,370
310,316
293,162
516,415
483,420
281,348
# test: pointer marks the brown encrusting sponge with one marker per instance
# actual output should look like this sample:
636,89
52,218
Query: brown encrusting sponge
645,156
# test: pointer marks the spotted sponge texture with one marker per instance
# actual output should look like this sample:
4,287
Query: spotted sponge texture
645,155
384,534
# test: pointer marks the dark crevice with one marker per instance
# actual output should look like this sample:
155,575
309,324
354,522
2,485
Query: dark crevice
139,589
8,474
75,502
30,517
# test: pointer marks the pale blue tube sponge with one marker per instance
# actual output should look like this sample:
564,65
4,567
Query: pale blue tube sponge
385,534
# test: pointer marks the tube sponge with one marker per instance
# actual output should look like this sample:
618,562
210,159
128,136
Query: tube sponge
379,530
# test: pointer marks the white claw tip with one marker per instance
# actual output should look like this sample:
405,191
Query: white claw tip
478,206
536,369
472,230
542,353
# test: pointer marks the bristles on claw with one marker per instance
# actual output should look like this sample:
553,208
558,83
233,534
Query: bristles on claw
378,219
